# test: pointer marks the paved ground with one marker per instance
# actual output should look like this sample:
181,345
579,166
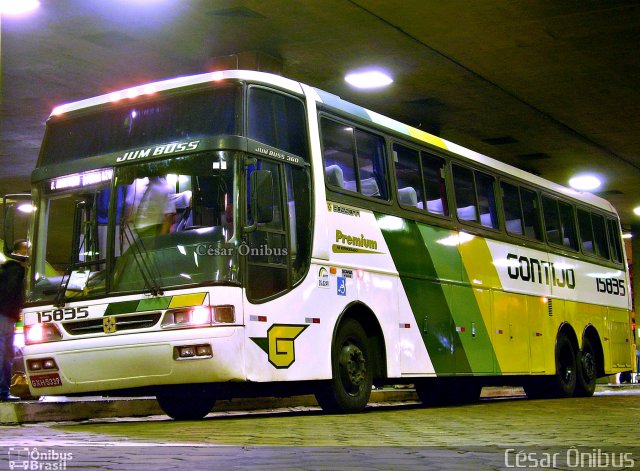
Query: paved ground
492,434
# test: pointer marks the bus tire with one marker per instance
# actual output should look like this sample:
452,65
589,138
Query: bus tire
587,370
349,388
563,383
182,404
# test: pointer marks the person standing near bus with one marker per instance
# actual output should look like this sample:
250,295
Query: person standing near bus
11,302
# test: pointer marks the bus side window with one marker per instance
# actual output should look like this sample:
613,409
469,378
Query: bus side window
486,200
278,120
434,184
614,241
371,168
586,232
407,168
475,197
530,214
339,154
569,238
512,209
600,236
465,194
551,220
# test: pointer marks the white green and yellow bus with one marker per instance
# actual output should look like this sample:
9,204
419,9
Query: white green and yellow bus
303,244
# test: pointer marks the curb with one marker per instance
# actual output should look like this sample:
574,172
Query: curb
60,409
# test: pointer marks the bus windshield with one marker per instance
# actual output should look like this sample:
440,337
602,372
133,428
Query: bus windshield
215,110
142,227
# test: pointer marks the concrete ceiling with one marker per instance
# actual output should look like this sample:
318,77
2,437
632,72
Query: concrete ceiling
548,86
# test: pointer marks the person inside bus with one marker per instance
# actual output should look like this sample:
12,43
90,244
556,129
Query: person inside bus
155,212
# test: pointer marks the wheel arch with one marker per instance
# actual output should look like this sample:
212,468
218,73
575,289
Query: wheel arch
590,332
567,330
365,316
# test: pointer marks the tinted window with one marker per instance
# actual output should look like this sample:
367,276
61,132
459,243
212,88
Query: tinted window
140,122
600,235
354,159
586,234
568,226
434,183
475,197
614,240
531,216
512,209
551,221
278,120
407,167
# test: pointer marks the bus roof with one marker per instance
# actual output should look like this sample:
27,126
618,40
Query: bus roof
337,103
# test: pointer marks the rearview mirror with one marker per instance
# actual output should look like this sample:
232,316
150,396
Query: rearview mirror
18,210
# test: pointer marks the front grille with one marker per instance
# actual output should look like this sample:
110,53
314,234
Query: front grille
123,322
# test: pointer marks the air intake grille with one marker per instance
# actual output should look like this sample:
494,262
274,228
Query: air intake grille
123,322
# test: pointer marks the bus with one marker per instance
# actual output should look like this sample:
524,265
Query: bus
237,233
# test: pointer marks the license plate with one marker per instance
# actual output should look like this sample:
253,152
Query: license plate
46,381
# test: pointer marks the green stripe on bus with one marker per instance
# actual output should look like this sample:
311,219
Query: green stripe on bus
121,308
154,303
441,298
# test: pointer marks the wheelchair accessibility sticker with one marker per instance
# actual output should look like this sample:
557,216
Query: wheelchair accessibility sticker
342,286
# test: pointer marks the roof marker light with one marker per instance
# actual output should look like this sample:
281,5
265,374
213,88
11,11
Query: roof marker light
585,182
368,79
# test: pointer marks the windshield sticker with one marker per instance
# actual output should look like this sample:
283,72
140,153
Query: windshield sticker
153,151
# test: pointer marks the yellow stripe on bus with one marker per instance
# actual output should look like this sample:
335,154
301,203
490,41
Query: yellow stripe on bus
184,300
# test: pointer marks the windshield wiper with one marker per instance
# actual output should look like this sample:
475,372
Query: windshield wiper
140,256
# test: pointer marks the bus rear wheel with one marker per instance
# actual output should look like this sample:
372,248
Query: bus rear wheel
563,383
587,371
186,403
349,388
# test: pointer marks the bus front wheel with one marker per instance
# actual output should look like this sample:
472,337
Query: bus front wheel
349,388
186,403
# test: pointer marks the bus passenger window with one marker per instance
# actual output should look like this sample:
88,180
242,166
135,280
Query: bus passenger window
339,154
407,168
551,220
372,172
465,194
600,236
354,159
486,200
434,184
512,209
530,214
586,233
614,240
569,238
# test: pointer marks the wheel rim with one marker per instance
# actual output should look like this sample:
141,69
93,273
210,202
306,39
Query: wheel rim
567,366
353,368
588,365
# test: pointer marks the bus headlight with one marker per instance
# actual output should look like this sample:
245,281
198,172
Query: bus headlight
40,333
198,316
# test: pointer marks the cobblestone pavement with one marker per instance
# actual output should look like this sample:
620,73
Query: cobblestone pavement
493,434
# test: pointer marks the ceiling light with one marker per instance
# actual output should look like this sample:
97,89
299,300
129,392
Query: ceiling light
17,7
368,79
627,235
636,211
585,182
